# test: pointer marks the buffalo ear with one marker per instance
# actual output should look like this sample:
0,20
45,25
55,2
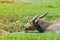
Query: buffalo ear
36,21
39,20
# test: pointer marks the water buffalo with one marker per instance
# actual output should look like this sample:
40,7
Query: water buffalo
38,24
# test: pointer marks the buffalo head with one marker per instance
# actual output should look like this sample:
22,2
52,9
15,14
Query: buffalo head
33,23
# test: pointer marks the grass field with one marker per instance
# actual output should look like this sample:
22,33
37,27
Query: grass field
31,36
24,12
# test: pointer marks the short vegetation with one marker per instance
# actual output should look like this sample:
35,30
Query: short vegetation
14,15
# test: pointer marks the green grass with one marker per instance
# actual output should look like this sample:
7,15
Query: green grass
31,36
24,12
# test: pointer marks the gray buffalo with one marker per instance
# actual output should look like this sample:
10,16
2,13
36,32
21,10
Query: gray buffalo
38,24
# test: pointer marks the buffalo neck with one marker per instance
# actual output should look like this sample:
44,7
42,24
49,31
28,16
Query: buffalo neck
44,25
